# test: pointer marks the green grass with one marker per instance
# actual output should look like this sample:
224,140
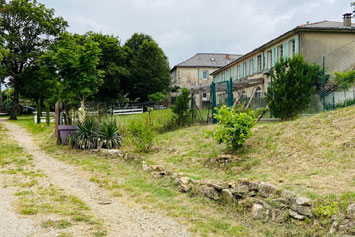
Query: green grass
127,181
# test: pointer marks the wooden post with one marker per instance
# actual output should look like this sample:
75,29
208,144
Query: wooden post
56,122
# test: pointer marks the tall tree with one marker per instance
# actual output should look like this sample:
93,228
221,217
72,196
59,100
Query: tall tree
113,61
28,28
74,58
149,68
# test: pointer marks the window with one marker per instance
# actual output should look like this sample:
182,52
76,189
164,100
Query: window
293,48
280,51
251,67
204,97
269,59
238,72
258,93
260,64
205,74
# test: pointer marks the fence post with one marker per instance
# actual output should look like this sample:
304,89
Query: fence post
214,101
323,83
230,92
270,86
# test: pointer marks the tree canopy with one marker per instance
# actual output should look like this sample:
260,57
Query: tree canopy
28,28
149,68
75,58
113,62
294,82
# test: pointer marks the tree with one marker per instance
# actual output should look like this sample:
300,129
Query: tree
113,61
74,59
149,68
181,108
345,80
28,28
293,85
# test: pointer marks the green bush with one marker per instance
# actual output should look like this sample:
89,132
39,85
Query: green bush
181,109
109,136
294,82
233,127
86,137
142,134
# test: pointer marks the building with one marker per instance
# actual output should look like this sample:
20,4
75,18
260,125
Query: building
196,71
333,40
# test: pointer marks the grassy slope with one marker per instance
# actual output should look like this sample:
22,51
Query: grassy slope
131,185
313,155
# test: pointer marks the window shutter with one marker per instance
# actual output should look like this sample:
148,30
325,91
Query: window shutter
265,61
255,66
201,74
286,49
208,74
248,68
273,57
297,44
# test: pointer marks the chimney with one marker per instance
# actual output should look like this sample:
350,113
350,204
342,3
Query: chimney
227,58
347,19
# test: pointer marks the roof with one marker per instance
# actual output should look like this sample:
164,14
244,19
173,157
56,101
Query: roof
208,60
327,25
324,26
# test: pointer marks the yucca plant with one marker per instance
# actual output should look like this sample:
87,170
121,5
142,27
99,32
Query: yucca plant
110,136
86,137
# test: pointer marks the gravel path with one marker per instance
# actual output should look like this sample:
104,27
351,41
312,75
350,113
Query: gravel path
11,223
119,219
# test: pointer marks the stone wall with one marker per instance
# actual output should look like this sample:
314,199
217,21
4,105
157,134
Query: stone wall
265,201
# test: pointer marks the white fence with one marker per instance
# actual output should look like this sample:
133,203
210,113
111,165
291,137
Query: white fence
44,117
125,111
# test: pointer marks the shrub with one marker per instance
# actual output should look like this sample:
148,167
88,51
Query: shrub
181,108
142,133
109,136
86,137
294,82
233,127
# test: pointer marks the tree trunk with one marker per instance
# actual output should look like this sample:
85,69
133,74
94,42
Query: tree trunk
15,102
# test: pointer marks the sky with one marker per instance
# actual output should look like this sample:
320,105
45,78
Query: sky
183,28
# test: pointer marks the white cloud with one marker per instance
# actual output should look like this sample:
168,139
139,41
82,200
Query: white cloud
185,27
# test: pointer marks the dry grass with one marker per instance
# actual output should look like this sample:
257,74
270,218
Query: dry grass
310,155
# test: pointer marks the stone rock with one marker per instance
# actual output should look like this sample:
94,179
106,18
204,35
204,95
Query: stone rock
259,212
252,193
304,210
210,192
115,152
288,194
280,203
184,180
303,201
267,190
158,168
218,187
146,167
243,189
225,159
248,202
254,186
350,211
295,215
334,227
227,197
184,188
230,185
243,181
